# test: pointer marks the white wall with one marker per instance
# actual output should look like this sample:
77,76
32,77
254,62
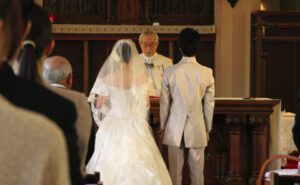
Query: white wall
232,51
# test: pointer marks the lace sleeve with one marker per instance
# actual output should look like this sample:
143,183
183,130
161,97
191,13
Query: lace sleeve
101,90
97,115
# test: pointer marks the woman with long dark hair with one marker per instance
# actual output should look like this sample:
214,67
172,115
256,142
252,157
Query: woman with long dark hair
11,29
33,149
36,46
30,94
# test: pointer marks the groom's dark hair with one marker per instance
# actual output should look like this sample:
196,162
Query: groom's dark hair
188,41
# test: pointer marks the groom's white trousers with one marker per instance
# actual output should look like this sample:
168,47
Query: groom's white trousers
195,161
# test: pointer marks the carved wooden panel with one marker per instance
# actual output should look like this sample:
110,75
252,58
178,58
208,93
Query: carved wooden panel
279,72
128,11
179,7
76,7
275,56
177,12
238,143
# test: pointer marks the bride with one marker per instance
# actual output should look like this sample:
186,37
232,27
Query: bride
125,151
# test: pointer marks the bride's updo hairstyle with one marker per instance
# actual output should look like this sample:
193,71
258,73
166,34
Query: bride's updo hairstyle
124,51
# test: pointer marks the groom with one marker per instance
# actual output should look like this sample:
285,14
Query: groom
186,109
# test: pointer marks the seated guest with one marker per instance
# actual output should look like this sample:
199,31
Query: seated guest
39,145
33,149
33,96
58,72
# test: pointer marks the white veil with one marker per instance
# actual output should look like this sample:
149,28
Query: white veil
120,73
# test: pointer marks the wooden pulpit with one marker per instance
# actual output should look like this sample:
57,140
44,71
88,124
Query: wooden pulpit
239,141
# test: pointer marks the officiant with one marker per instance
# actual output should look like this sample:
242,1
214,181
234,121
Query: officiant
155,63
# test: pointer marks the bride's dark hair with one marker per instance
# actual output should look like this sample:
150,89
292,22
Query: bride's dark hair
124,52
114,73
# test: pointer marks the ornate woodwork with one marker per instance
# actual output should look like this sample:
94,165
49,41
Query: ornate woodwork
128,11
238,143
234,124
275,45
188,12
87,53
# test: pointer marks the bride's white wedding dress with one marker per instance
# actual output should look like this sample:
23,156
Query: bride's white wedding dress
125,151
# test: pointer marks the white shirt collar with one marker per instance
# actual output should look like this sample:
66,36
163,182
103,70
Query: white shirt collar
188,59
148,59
58,85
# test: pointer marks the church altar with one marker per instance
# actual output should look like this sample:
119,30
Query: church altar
244,135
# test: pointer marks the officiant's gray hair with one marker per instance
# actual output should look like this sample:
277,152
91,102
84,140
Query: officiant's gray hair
147,33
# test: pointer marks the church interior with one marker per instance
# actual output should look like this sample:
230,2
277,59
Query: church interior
252,46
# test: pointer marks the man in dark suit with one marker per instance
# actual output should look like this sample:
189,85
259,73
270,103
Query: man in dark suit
37,98
32,96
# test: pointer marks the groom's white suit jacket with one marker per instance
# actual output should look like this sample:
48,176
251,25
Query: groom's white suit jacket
187,103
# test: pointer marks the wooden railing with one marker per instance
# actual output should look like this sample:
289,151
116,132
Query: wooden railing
195,12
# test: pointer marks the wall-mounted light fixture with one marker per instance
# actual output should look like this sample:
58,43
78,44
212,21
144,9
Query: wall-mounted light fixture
232,2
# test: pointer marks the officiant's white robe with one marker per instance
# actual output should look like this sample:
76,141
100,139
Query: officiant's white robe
155,73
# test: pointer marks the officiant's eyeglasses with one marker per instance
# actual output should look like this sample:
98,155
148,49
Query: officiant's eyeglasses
150,44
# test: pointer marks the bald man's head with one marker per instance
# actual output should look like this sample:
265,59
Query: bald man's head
58,70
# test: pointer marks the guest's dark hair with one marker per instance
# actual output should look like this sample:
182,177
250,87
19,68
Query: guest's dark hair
10,14
27,6
188,41
38,39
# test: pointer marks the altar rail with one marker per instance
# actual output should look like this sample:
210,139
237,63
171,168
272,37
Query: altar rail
239,141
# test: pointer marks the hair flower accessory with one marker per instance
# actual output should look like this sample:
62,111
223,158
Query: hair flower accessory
116,57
